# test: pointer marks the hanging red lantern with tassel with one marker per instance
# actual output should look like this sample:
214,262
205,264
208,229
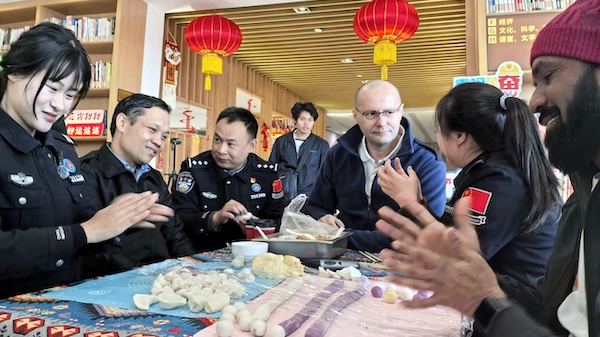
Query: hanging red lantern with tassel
213,37
385,23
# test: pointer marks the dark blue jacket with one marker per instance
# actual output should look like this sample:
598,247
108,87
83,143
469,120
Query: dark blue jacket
500,203
340,185
284,154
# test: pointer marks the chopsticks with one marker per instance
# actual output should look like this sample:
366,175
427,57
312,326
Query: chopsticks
372,257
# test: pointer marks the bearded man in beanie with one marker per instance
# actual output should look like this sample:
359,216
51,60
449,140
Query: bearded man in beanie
565,60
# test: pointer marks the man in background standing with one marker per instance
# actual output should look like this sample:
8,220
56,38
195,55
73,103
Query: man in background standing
299,153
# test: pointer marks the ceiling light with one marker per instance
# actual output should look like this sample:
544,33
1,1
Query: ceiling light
359,75
318,30
302,10
347,60
364,81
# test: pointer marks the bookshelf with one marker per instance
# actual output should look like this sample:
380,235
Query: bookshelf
118,52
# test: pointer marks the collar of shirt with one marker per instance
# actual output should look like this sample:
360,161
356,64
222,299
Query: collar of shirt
298,143
232,173
595,180
370,166
297,139
137,174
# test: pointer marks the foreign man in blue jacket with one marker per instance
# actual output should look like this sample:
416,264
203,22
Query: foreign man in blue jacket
347,181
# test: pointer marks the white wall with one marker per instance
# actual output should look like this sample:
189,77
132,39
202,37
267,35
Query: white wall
153,46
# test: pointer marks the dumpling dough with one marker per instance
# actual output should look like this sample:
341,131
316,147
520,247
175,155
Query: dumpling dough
274,266
168,301
143,301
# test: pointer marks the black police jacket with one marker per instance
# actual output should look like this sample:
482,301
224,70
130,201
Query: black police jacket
39,210
202,188
500,204
107,178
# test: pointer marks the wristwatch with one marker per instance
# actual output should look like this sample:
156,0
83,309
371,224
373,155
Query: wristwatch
487,310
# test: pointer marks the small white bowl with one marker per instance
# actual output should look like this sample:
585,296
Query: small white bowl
248,249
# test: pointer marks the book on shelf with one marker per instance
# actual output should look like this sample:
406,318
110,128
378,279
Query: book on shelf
88,29
10,35
100,74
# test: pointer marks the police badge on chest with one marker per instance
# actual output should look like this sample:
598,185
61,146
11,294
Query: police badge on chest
67,169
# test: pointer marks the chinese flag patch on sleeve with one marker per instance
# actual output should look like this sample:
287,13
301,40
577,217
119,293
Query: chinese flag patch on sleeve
480,199
277,186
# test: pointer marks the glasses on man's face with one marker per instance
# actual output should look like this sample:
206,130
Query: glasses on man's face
372,114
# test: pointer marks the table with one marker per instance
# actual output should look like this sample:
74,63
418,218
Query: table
37,315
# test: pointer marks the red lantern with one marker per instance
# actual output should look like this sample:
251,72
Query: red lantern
213,37
385,23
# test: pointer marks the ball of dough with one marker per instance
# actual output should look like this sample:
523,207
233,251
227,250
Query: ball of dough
390,297
258,328
224,328
276,331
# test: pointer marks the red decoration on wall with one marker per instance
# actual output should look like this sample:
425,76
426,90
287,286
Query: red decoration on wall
188,121
213,37
385,23
264,131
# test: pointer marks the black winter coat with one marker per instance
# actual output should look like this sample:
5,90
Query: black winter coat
284,154
107,178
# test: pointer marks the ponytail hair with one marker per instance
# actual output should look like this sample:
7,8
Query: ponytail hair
503,123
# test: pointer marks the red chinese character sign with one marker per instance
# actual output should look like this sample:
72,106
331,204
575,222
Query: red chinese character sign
213,37
384,23
85,123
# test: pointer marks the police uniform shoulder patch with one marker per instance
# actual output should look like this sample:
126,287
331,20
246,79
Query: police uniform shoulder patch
266,166
185,182
196,162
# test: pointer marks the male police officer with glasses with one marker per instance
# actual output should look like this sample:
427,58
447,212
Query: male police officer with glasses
347,180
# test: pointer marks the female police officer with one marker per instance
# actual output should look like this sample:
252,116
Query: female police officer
43,76
515,199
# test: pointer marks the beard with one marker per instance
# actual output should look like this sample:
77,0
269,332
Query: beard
574,144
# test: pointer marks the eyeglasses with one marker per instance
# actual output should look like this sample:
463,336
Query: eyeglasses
372,114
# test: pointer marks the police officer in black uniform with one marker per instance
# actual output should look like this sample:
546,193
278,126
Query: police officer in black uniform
43,76
217,190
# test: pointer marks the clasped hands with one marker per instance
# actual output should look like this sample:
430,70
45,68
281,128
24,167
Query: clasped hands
129,210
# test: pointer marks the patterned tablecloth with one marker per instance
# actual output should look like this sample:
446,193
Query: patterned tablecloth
38,314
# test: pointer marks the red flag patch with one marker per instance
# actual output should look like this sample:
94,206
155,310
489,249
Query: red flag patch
480,199
277,186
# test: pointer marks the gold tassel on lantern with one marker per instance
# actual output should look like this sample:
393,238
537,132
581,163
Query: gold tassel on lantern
211,64
207,82
384,55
